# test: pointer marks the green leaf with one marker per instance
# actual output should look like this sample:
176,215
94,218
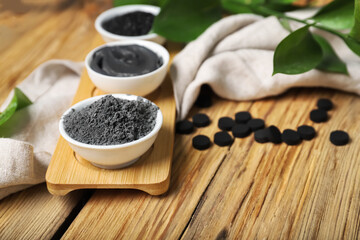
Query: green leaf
355,31
297,53
118,3
352,44
338,14
261,7
19,101
285,23
330,61
185,20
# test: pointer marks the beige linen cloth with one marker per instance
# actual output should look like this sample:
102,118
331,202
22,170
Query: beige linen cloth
235,57
32,132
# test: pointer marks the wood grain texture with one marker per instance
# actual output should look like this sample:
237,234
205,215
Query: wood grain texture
151,173
250,190
34,213
31,33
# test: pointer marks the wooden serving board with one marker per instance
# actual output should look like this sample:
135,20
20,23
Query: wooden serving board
151,173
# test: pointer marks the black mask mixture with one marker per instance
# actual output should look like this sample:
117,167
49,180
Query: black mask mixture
125,61
131,24
110,121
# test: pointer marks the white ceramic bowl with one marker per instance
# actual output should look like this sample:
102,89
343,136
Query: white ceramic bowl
111,156
137,85
117,11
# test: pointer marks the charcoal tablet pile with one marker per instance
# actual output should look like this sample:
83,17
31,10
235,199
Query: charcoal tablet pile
243,125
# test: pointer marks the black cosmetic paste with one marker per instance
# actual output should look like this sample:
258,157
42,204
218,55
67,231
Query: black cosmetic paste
130,24
125,61
110,121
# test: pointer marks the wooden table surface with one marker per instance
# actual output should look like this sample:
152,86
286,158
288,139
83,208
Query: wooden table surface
246,191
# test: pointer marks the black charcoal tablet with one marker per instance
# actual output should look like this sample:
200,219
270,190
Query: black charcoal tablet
241,130
290,137
203,101
256,124
226,123
201,142
274,134
184,127
324,103
339,138
306,132
201,120
242,117
223,139
262,135
318,115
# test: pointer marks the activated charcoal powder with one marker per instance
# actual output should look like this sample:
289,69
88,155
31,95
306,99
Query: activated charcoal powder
130,24
110,121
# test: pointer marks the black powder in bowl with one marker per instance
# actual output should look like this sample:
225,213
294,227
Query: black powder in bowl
130,24
111,121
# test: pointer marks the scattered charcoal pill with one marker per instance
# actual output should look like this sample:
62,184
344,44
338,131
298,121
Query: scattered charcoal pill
324,103
201,120
241,130
184,127
262,135
223,139
290,137
339,138
203,101
242,117
256,124
226,123
274,134
306,132
318,115
201,142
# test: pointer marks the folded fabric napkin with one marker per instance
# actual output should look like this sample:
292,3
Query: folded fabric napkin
235,57
31,134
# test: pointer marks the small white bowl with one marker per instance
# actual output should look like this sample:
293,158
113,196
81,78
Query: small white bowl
140,85
118,11
111,156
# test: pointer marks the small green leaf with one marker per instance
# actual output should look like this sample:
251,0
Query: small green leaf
297,53
185,20
236,7
19,101
352,44
285,23
330,61
338,14
118,3
355,31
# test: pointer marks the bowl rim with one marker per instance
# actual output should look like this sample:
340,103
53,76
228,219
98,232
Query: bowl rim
163,52
117,11
88,101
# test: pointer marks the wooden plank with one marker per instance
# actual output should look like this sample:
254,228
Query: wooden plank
250,190
42,31
288,192
34,213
